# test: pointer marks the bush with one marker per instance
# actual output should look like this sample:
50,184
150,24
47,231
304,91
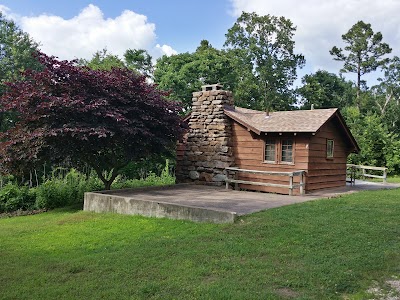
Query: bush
152,179
142,169
67,188
14,197
60,191
379,146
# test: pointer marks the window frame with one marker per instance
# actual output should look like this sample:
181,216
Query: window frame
274,152
330,150
282,150
279,150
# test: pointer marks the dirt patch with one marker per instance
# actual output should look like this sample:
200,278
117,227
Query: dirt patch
287,293
390,290
19,213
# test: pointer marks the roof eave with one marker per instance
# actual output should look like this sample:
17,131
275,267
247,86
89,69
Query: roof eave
248,126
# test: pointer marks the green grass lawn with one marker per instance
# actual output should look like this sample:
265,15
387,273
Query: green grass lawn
389,179
326,249
393,179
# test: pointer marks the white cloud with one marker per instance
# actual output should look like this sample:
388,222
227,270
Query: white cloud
89,31
7,12
321,23
165,49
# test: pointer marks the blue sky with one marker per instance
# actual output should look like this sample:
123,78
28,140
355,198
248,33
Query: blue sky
78,28
181,24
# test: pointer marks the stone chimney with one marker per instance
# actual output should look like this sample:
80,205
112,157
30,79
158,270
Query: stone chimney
207,146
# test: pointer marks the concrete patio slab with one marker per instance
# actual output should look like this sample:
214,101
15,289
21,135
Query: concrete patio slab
201,203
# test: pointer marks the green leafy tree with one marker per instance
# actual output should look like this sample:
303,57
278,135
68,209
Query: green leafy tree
139,60
325,90
265,60
185,73
379,146
103,60
364,52
16,56
386,95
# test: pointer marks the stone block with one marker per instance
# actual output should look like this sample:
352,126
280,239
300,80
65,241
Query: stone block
207,177
224,149
194,175
221,164
219,178
209,164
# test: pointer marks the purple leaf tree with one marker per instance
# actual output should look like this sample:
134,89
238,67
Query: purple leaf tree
104,119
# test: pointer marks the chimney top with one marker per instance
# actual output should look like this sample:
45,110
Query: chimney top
212,87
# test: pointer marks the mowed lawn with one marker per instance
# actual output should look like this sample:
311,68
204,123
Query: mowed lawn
325,249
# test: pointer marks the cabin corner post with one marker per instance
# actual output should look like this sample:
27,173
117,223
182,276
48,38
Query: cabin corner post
208,142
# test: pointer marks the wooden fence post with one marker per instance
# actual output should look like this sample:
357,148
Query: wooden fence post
301,183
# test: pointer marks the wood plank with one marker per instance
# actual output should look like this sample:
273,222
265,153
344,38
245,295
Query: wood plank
250,156
311,173
249,150
249,144
313,187
327,178
261,172
367,167
244,138
335,160
268,167
250,164
267,178
257,183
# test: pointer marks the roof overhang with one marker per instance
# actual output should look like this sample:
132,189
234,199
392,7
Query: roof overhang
348,135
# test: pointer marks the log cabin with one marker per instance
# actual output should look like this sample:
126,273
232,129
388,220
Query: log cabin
223,140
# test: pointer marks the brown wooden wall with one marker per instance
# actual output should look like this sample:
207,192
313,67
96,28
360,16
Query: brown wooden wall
249,154
326,172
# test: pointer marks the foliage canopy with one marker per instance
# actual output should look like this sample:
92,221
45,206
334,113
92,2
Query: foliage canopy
363,52
104,119
265,59
185,73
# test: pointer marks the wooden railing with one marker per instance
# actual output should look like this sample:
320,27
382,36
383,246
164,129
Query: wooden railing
352,171
289,186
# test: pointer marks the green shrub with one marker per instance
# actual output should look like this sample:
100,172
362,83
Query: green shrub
14,197
60,191
66,188
152,179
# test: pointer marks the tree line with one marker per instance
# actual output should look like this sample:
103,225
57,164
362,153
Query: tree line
258,62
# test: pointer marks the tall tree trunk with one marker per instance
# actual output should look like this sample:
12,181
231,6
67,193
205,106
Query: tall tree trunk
358,101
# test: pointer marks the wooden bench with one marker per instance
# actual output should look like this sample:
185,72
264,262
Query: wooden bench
289,186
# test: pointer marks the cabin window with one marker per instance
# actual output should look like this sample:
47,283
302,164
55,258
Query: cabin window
329,148
270,150
287,151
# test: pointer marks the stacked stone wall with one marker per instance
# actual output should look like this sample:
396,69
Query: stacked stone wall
206,149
